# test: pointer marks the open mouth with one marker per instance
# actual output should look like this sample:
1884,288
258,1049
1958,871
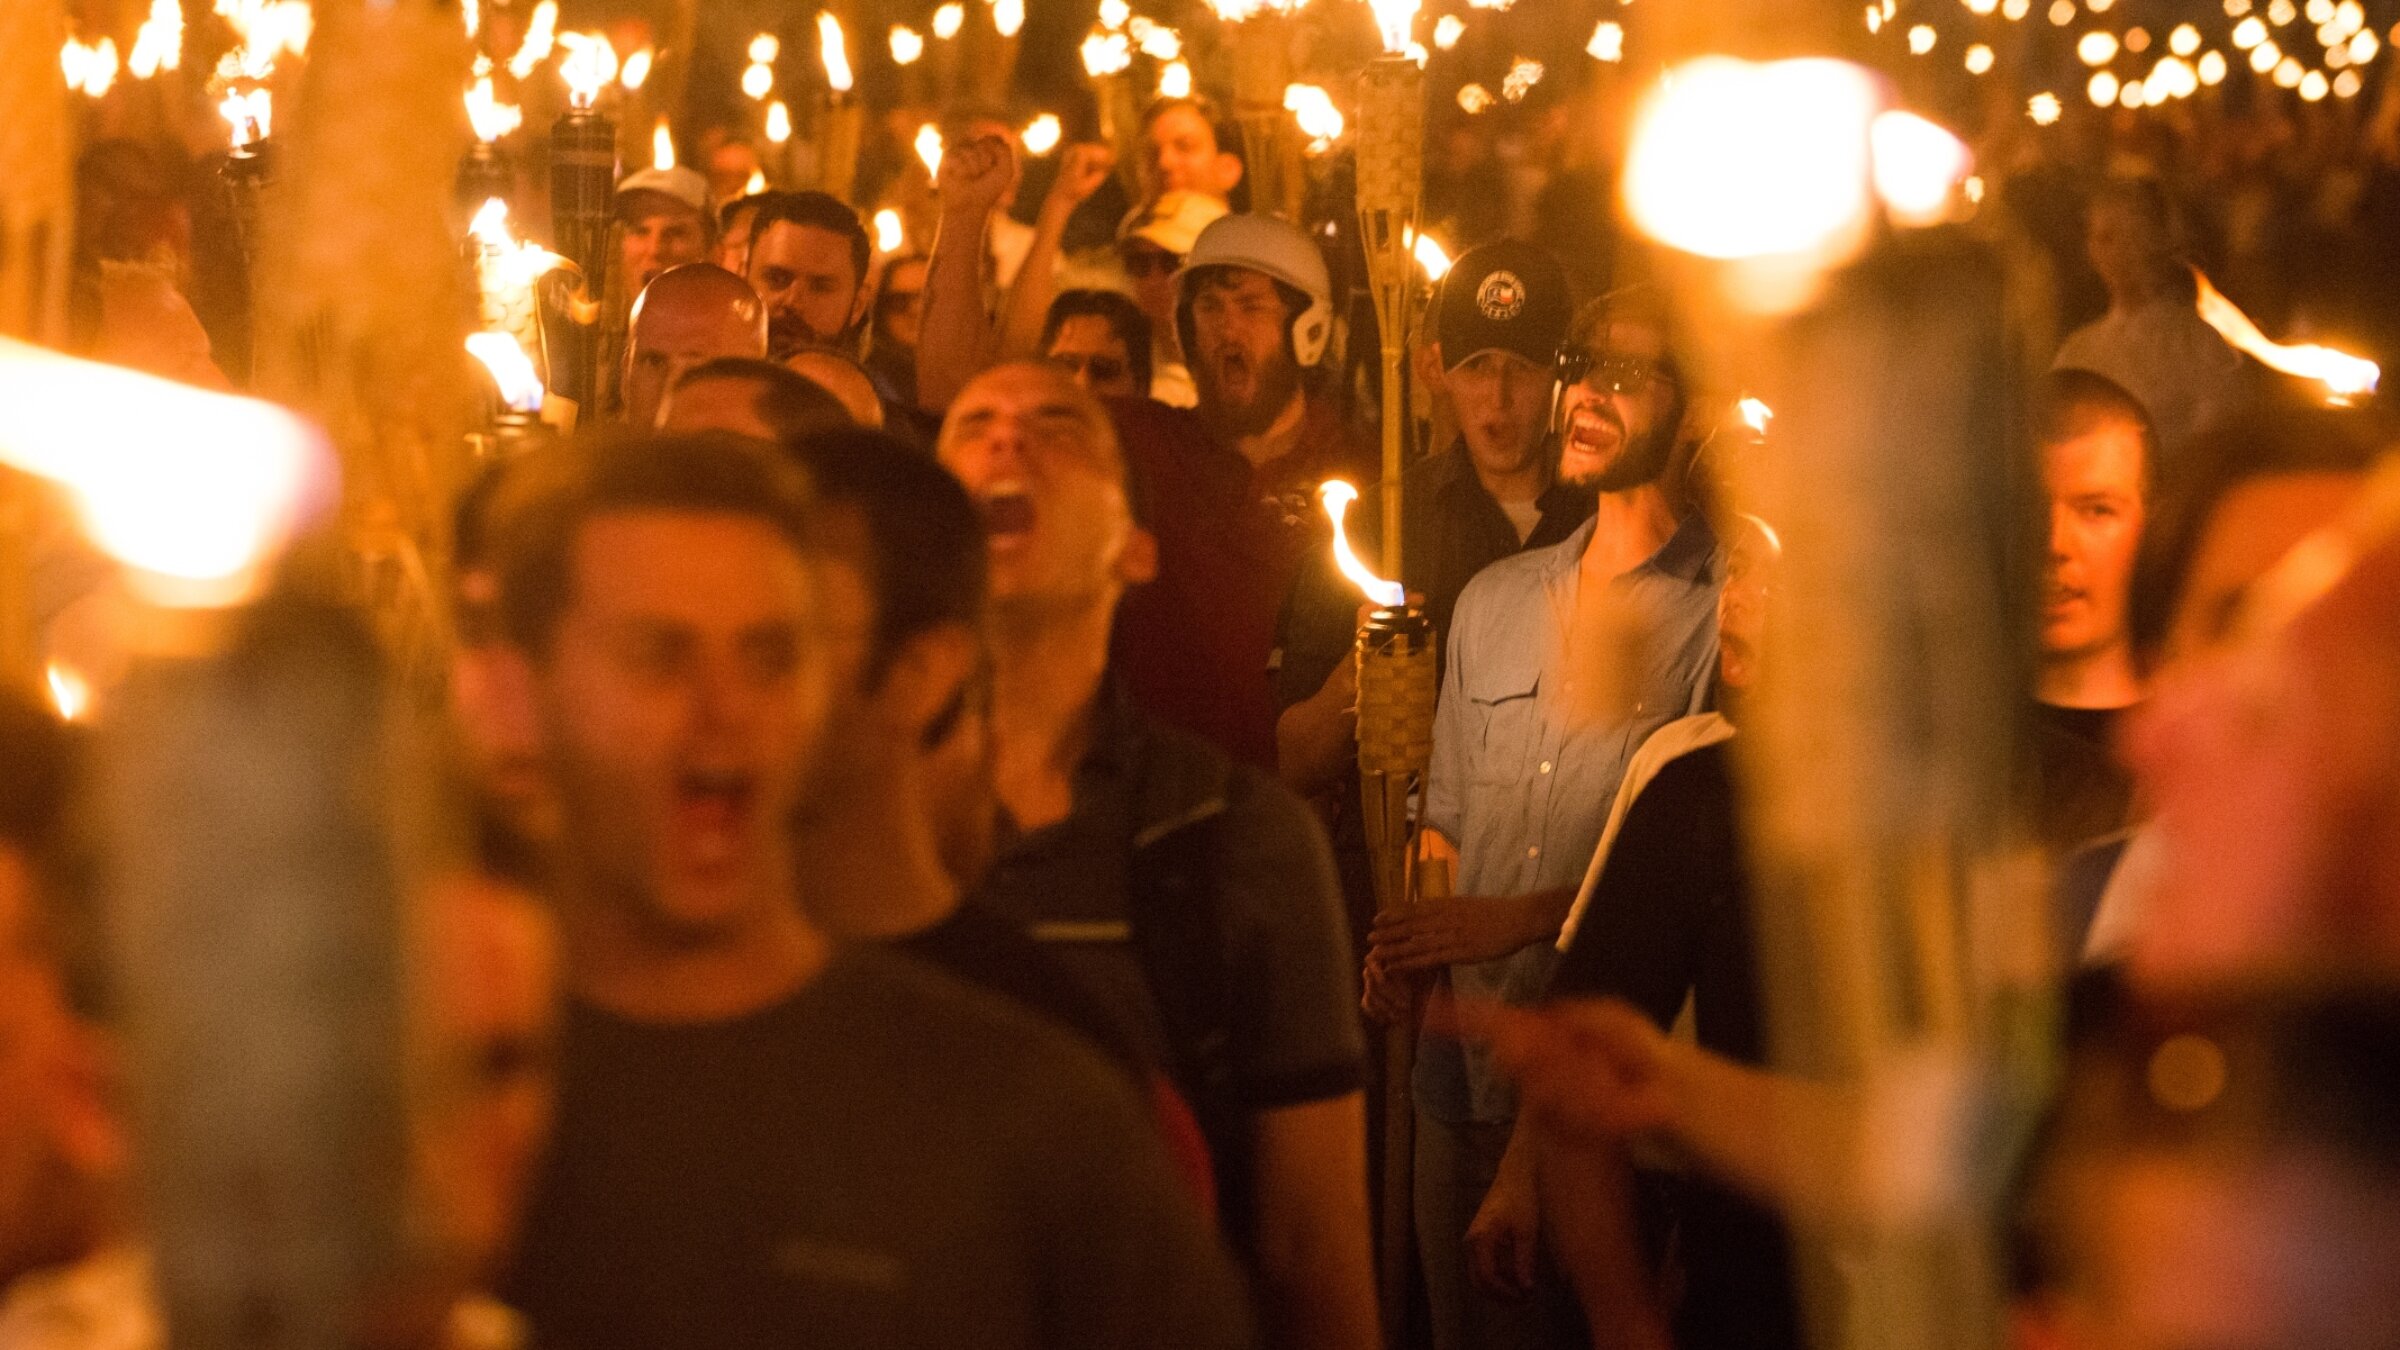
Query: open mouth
712,807
1008,513
1593,433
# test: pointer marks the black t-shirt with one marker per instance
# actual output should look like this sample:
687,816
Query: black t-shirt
981,947
886,1158
2077,792
1670,916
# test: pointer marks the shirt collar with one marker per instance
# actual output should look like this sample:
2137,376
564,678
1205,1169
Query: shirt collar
1688,554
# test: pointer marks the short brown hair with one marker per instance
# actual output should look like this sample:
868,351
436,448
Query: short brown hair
541,510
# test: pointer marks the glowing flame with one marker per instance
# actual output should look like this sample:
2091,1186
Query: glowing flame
890,234
470,12
1106,54
948,20
1337,496
636,71
194,491
513,266
1235,11
1042,134
1522,76
1731,159
1755,414
2346,378
758,80
1430,255
907,45
1447,30
1157,41
267,30
662,146
765,48
251,116
159,43
1313,109
1918,165
1608,41
68,692
491,118
91,69
1175,80
1115,13
757,183
591,62
779,122
929,148
511,369
1393,18
1007,17
541,35
835,50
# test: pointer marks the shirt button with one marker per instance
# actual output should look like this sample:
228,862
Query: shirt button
1534,852
1545,766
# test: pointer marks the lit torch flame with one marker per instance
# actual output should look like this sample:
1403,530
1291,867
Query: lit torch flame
890,232
541,34
511,369
2346,378
948,19
779,122
1393,18
520,264
491,118
68,692
836,52
1007,17
1430,255
636,71
1337,496
251,116
1313,109
158,45
591,63
1755,414
1106,54
907,45
929,149
662,146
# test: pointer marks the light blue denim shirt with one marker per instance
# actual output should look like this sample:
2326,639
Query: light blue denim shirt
1522,789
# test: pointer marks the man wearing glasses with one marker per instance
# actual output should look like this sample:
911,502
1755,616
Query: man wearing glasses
1561,660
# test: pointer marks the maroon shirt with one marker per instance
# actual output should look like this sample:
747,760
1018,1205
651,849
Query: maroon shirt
1194,646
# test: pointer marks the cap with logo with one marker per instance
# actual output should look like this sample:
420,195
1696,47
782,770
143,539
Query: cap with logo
1505,296
682,184
1173,222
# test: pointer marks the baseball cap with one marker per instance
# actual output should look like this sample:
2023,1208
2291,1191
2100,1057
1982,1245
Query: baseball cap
1173,222
682,184
1506,296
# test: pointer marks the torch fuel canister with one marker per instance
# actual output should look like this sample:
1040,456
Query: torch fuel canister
1395,692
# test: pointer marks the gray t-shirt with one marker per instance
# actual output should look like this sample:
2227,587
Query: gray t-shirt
886,1159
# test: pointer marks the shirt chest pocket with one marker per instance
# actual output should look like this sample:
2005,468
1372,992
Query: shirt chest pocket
1507,711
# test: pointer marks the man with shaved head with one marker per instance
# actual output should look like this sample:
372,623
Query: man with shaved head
1195,894
689,315
843,378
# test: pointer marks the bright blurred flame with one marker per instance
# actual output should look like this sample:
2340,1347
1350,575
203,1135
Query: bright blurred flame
1007,17
511,369
1474,97
491,118
1106,54
1393,19
251,116
513,266
2103,88
929,148
779,122
907,44
1447,30
1115,13
1157,41
2346,378
1431,256
591,62
266,30
834,50
1979,59
541,34
2314,86
2172,77
1608,41
1235,11
636,71
1337,496
948,20
68,692
662,146
195,491
92,69
765,48
758,80
158,45
1755,414
1522,76
890,233
1918,165
2249,32
2096,48
756,184
1313,109
1042,133
1175,80
1731,159
1921,38
2184,40
2044,108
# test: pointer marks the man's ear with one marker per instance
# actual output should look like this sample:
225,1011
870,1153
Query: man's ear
1137,562
927,673
1229,172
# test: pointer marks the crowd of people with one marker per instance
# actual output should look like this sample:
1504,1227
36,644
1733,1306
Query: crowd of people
924,898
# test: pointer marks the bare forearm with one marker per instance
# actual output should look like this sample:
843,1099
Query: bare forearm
1315,739
1316,1266
1586,1202
954,338
1036,286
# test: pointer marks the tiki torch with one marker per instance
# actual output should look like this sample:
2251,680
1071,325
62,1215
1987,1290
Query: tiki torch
843,118
516,424
1262,69
487,171
250,167
1391,151
583,183
1395,655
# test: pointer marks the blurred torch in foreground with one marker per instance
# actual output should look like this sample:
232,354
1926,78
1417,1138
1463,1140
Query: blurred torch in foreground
844,116
2347,379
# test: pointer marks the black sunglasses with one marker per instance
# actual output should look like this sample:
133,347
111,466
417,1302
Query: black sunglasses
1610,372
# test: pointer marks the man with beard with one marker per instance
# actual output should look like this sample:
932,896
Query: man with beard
808,260
1194,894
764,1139
1561,662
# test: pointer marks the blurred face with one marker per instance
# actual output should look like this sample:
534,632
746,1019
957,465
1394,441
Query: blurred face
1750,566
1089,347
844,629
1180,154
2122,247
660,232
1153,272
1503,408
733,246
2094,483
2294,1252
1034,453
679,702
1617,426
1241,358
494,717
814,295
900,302
676,334
730,166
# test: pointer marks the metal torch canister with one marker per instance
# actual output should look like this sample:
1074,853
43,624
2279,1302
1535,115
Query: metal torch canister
248,171
484,173
583,185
